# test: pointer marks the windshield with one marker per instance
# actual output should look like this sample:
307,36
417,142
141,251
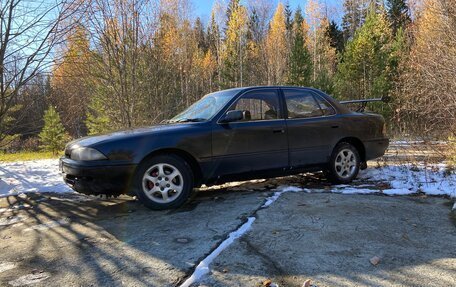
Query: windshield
207,107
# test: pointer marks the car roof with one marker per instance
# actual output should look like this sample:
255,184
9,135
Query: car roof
281,87
335,103
276,87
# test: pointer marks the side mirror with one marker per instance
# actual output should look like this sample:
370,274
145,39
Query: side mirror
233,116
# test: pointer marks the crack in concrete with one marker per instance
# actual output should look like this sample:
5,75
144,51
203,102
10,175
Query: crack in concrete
274,269
253,215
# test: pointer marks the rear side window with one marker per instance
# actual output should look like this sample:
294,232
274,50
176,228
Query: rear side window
301,104
326,108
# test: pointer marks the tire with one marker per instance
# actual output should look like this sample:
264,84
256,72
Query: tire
344,164
163,182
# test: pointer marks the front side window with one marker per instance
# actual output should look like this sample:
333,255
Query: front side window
301,104
259,105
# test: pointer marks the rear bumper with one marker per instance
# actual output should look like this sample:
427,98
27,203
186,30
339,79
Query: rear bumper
376,148
97,178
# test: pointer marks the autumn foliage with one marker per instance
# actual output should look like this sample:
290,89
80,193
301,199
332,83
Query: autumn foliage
125,63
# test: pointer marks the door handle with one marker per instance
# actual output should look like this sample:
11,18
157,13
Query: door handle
279,131
334,127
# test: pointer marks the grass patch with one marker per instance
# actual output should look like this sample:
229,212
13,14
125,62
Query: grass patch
21,156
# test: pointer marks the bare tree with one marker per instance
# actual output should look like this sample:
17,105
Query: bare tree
29,30
120,30
428,102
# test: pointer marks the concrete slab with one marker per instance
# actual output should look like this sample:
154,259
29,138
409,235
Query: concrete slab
74,240
330,239
70,240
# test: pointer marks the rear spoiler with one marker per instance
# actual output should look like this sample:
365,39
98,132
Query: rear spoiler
364,102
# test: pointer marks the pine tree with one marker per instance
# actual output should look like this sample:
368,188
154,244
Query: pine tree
213,34
336,36
288,22
215,46
253,32
8,121
398,14
366,70
200,35
298,20
97,121
300,64
53,134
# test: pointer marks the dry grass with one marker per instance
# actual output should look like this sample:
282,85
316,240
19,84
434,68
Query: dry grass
22,156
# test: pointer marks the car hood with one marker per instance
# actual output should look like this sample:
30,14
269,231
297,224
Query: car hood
156,129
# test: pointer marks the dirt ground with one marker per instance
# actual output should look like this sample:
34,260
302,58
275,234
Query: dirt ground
75,240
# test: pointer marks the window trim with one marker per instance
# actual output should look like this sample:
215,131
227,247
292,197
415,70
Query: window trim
314,95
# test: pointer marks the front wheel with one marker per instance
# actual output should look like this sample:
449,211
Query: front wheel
163,182
344,164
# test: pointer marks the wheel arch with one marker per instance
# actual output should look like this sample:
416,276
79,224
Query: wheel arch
357,143
190,159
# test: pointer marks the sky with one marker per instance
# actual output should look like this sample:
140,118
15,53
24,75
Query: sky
202,8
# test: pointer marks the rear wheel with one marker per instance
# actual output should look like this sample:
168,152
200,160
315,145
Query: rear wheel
344,164
163,182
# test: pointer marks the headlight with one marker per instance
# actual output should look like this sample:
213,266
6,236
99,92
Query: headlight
86,153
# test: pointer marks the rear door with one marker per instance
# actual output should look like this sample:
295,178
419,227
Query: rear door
257,143
312,127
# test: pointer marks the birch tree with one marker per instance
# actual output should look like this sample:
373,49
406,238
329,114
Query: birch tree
276,48
234,54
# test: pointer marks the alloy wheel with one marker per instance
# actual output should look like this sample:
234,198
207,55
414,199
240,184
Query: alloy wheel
162,183
345,163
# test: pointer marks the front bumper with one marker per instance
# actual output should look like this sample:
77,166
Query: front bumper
376,148
98,177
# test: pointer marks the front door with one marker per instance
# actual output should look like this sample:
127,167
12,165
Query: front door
258,142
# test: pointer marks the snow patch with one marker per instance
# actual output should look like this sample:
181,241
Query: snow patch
354,190
409,179
30,279
5,266
282,189
392,180
10,220
203,266
31,176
